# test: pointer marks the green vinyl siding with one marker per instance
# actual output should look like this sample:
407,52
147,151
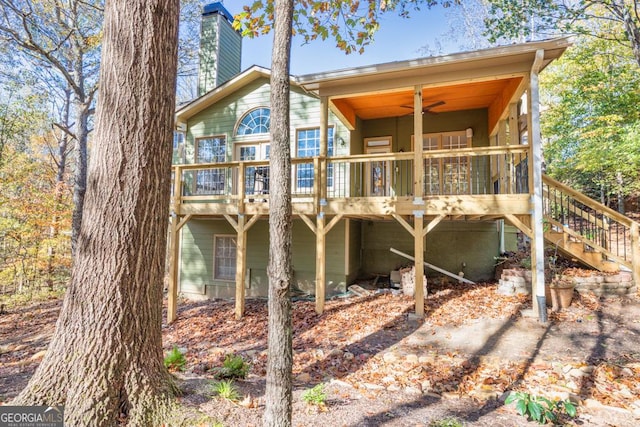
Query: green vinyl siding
230,53
221,118
196,258
448,246
220,52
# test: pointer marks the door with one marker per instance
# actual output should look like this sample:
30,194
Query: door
378,173
256,179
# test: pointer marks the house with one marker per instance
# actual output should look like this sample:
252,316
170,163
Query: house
360,183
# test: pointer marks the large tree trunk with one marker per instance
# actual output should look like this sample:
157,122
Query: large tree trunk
106,354
280,271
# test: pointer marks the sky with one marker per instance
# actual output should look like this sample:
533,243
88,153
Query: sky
397,39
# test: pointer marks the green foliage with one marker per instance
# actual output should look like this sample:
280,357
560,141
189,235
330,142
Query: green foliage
538,408
175,360
529,19
352,25
226,389
447,422
233,367
315,396
591,125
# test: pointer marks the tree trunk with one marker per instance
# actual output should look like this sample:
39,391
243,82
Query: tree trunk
105,357
280,271
80,175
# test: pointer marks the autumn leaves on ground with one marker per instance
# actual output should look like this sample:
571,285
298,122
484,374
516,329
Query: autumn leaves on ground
366,349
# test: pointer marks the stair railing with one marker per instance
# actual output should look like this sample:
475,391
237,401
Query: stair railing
595,225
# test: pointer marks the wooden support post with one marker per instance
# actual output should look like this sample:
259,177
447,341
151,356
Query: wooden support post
241,187
172,297
418,164
324,142
419,264
320,263
635,254
537,243
505,159
241,265
174,247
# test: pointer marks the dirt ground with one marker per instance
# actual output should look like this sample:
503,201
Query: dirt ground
383,367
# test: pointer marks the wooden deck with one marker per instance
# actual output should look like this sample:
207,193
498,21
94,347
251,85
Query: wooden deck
353,190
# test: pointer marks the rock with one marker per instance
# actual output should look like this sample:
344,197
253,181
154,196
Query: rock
335,352
450,395
412,390
393,388
348,356
636,413
388,379
390,357
303,378
578,373
340,383
412,358
426,386
370,386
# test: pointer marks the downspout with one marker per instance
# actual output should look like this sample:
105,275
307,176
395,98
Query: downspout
536,149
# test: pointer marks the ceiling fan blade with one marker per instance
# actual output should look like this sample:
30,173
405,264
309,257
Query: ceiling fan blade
434,105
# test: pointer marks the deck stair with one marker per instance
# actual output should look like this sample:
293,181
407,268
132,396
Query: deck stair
589,231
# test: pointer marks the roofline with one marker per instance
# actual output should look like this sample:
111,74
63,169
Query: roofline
390,67
195,106
252,73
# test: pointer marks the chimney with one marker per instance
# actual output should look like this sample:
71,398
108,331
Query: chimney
220,48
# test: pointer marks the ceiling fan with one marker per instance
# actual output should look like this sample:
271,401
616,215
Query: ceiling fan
427,108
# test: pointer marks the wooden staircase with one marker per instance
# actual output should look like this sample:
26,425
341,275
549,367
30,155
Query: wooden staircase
588,231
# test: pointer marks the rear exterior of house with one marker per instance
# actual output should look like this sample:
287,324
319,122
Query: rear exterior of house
360,185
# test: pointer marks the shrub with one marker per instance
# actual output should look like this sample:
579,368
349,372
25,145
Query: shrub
447,422
315,396
226,390
175,360
233,367
540,409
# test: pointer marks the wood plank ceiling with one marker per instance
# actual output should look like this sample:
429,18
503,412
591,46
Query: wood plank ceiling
458,97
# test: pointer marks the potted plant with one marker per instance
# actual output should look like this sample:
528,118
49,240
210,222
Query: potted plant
560,290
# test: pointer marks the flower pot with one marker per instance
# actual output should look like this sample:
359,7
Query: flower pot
559,294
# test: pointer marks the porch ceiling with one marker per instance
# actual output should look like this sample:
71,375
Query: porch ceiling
457,97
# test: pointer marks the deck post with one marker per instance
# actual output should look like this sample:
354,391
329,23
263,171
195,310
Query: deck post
174,247
635,254
418,201
241,265
324,142
537,243
419,263
320,263
172,296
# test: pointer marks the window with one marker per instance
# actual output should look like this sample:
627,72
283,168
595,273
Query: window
224,258
308,146
210,150
178,139
255,122
449,175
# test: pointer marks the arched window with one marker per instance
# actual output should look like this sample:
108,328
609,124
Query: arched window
255,122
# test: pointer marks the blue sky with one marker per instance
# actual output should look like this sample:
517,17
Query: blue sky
397,39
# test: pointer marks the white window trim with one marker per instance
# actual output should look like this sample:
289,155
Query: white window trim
215,245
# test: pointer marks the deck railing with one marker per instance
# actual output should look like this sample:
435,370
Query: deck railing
466,171
586,220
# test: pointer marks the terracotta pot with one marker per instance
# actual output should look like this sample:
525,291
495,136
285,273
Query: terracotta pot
559,294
